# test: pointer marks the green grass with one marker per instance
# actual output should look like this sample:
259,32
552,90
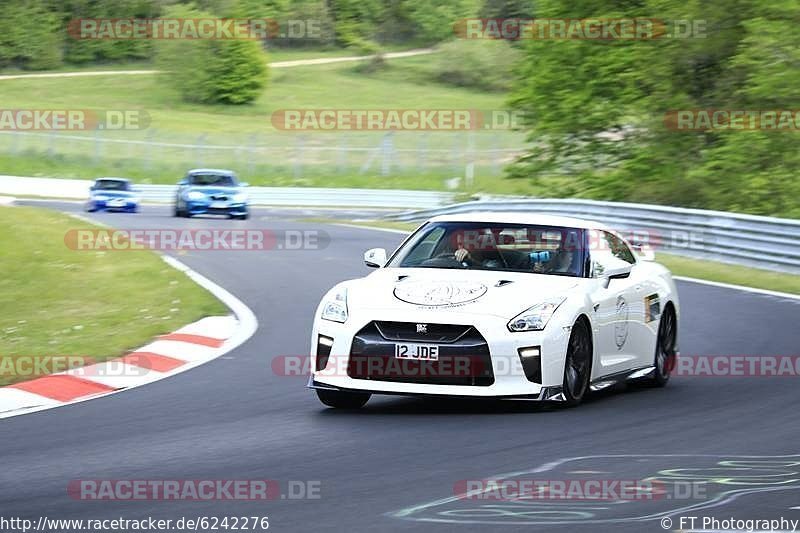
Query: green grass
262,154
733,274
678,265
57,301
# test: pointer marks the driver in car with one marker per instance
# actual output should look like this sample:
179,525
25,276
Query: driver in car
479,251
560,264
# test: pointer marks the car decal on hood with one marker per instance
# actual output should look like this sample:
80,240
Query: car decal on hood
430,293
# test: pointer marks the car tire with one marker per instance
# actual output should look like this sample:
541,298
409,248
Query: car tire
343,400
664,360
577,364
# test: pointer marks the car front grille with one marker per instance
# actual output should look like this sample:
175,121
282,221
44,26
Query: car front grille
463,355
414,332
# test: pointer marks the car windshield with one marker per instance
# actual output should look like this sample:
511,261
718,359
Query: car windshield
221,180
111,185
495,246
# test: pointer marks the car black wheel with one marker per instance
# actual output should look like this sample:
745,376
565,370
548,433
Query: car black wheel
665,348
578,363
343,400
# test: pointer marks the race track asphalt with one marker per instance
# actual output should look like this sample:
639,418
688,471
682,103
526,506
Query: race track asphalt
381,469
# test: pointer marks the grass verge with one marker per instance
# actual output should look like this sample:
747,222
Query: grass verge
98,305
183,135
678,265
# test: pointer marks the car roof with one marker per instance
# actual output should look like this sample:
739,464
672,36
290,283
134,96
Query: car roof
212,171
112,179
517,217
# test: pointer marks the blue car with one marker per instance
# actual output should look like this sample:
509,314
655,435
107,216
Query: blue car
112,194
208,191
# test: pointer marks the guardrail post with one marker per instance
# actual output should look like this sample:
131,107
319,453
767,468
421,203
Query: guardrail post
422,152
199,152
15,135
299,154
97,146
148,149
251,150
341,155
387,152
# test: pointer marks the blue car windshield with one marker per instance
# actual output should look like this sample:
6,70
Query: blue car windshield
219,180
111,185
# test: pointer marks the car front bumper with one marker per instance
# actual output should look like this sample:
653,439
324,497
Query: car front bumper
209,208
110,205
508,375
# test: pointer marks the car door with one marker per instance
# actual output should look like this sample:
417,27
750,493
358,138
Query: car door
614,305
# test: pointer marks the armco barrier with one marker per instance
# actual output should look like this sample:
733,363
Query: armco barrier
756,241
295,196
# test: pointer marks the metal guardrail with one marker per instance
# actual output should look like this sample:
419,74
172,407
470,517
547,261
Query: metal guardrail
320,197
277,196
755,241
762,242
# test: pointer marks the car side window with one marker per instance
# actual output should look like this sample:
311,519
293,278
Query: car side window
425,249
605,254
618,248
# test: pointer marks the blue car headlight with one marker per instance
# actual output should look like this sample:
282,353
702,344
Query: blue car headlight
240,198
195,195
100,198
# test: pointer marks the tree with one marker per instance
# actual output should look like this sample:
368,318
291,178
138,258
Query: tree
212,71
31,36
596,108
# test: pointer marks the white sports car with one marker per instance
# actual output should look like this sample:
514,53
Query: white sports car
497,305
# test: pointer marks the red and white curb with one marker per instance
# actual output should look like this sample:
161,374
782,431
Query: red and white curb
190,346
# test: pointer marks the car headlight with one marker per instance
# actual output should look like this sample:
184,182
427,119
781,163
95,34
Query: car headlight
100,197
536,317
335,307
240,197
134,199
195,195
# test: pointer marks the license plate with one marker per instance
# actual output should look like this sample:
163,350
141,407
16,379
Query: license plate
422,352
218,205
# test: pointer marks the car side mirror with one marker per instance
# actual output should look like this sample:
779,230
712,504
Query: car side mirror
375,258
616,272
183,182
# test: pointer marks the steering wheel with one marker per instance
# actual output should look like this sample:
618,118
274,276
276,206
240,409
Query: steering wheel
445,259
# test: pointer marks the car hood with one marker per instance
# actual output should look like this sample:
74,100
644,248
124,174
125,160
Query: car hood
114,194
503,294
214,189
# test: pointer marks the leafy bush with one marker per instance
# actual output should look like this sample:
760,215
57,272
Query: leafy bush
90,50
478,64
212,71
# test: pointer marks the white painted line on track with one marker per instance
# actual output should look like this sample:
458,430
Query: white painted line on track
14,402
742,288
